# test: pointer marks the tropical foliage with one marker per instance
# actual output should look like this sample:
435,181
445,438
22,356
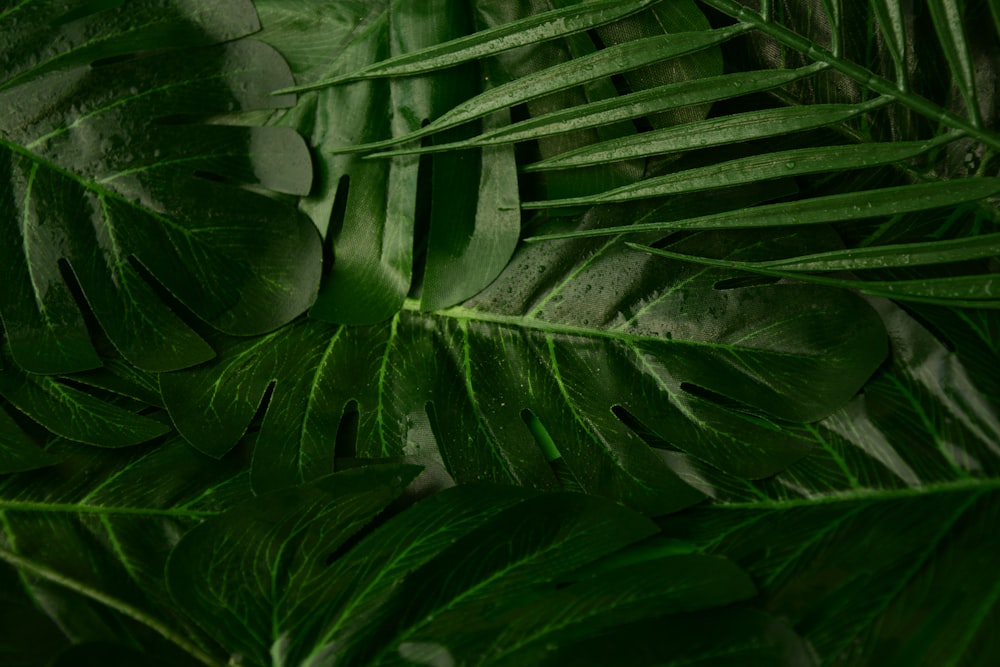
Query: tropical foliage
549,332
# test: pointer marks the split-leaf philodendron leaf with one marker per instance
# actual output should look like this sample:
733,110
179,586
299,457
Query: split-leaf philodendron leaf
472,576
109,184
771,313
581,337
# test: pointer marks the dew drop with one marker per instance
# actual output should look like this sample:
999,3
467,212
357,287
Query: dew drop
790,165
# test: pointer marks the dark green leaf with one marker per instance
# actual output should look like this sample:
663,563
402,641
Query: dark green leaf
75,414
892,579
100,524
459,384
104,180
480,575
531,29
614,59
247,598
471,238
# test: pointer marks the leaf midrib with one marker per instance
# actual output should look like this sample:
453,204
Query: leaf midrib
77,508
983,485
461,314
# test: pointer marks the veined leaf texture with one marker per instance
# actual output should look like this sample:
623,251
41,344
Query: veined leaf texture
547,332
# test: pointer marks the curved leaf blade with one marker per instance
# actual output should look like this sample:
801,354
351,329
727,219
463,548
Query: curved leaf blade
98,190
623,107
529,30
609,61
819,210
393,596
701,134
795,162
456,383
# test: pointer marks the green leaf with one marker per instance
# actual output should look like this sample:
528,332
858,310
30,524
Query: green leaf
975,291
612,60
730,637
110,188
397,595
891,579
104,535
460,385
471,238
529,30
819,210
948,24
247,598
633,105
75,414
781,164
18,451
712,132
867,544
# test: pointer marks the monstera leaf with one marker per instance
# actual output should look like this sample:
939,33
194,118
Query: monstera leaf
300,577
829,89
890,515
90,537
472,576
110,190
580,343
371,211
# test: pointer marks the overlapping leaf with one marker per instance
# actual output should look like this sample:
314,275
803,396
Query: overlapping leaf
472,576
868,544
576,337
836,83
109,189
91,535
348,106
371,212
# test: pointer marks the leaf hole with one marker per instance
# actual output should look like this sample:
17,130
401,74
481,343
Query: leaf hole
212,177
335,225
730,404
648,435
113,60
265,402
185,314
94,330
346,441
363,532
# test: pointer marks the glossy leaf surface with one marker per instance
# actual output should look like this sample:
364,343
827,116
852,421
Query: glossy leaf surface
461,385
107,186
